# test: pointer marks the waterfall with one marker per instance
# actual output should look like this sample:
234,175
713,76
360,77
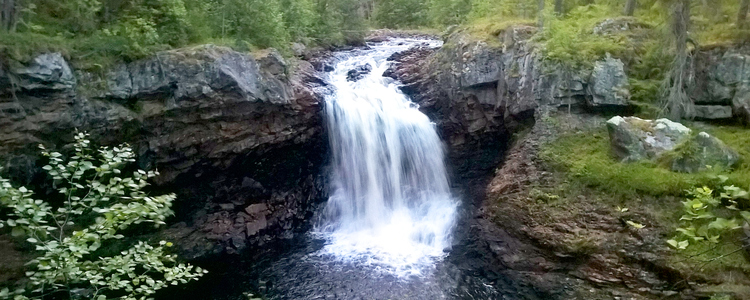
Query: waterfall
390,204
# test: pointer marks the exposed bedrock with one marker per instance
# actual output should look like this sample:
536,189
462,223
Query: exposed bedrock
237,137
479,94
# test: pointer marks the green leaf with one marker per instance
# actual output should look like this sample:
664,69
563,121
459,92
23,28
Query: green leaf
745,215
17,231
683,245
635,225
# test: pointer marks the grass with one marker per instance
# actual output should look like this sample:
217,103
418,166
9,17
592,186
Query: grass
585,158
653,195
489,28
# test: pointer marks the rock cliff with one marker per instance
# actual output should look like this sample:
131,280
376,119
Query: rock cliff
237,137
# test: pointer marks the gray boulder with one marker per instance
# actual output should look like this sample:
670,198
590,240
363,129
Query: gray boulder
700,152
634,139
46,72
609,84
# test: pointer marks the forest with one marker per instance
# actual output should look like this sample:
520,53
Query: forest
133,29
241,134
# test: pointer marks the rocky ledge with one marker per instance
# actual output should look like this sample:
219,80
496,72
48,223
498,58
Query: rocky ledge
239,139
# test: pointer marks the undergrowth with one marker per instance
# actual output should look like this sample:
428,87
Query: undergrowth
585,158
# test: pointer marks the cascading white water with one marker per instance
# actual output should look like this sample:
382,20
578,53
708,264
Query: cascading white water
390,203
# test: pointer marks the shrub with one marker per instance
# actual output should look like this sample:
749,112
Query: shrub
97,202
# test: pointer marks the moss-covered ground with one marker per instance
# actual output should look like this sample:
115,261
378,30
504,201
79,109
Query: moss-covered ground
614,218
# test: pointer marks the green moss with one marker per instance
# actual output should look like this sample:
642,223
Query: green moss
570,40
488,29
586,159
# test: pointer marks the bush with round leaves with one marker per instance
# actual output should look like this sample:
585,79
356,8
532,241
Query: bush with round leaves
97,202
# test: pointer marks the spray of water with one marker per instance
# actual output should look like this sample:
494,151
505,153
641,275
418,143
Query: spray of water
390,204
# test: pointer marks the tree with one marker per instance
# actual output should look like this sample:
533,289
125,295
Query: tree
559,7
677,103
540,14
630,7
742,15
8,14
96,202
401,13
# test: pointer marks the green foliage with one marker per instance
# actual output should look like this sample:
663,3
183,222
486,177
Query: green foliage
299,17
707,216
585,157
449,12
97,201
570,40
401,13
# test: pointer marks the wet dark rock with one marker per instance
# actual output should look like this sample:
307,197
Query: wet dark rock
358,73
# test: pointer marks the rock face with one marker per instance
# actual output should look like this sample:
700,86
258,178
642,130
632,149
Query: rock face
722,83
635,139
47,72
478,93
225,129
609,84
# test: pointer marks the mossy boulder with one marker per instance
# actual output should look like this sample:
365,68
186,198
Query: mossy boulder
635,139
699,152
671,143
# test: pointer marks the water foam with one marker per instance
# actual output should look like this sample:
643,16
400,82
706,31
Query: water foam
390,205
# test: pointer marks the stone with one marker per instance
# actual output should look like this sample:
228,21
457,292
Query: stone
480,66
46,72
703,152
298,49
609,84
253,227
741,102
713,112
256,209
618,25
634,139
358,73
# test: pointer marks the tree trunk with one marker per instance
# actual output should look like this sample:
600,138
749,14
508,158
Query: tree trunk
630,7
559,7
540,14
7,14
742,15
678,103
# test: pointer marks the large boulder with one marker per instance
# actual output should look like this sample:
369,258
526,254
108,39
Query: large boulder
700,152
634,139
609,84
